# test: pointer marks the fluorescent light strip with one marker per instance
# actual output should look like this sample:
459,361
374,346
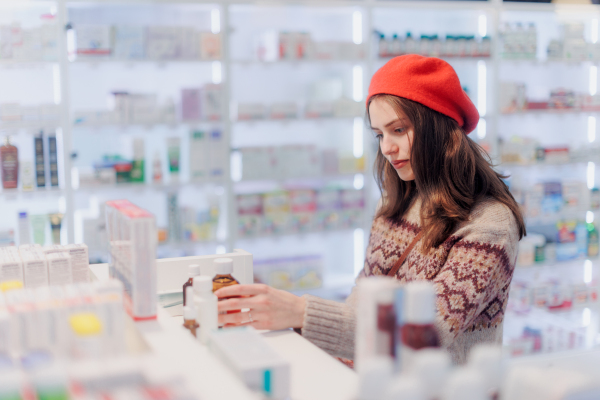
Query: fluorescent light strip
481,88
358,138
591,129
593,80
359,181
236,166
359,251
215,20
591,179
481,129
357,28
594,30
589,217
587,271
586,318
216,72
482,25
357,83
56,83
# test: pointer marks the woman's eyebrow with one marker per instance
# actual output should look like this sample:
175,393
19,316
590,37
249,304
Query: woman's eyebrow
393,122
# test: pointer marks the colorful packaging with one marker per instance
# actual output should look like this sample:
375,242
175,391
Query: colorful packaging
329,206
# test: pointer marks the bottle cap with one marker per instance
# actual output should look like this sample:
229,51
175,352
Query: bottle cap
432,366
419,303
193,270
405,388
189,312
202,284
223,266
85,324
465,384
487,359
374,377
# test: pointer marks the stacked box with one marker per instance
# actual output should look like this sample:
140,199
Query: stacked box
133,238
11,266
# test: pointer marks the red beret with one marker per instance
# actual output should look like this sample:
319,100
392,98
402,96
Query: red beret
429,81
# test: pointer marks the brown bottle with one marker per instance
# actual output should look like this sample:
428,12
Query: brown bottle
189,319
418,331
193,270
9,160
223,278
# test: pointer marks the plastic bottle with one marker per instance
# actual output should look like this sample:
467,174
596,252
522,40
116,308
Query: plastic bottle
374,377
410,46
193,271
431,367
487,360
189,317
88,334
206,305
418,331
396,46
383,47
405,387
465,384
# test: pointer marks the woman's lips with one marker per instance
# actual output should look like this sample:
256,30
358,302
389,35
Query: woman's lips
399,163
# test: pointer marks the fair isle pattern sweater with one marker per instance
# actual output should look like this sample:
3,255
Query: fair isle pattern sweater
471,271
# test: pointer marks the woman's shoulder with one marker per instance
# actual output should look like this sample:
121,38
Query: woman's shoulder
491,217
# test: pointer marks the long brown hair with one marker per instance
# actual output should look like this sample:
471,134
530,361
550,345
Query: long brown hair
452,173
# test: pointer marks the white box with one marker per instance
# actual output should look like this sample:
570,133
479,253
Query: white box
198,147
248,354
60,271
35,268
11,266
80,262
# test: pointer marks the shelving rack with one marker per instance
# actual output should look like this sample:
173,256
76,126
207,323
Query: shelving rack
482,76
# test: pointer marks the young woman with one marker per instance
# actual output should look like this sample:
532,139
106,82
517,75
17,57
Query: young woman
440,195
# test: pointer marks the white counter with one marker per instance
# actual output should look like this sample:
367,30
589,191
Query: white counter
315,374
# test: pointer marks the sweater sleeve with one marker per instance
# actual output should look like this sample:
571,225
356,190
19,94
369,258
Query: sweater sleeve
331,325
472,285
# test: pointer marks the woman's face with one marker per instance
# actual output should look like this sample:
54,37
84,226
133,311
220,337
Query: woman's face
395,133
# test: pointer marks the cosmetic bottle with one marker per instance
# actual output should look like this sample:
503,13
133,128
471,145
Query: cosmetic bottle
432,367
40,164
464,384
418,331
487,359
9,159
193,271
374,377
205,303
55,224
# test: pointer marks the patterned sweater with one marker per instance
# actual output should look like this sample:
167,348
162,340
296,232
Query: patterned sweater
471,271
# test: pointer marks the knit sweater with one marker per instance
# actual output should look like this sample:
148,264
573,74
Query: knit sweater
471,272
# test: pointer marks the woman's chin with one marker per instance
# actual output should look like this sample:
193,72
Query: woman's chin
406,175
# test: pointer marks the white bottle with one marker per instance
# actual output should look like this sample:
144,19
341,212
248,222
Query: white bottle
431,367
374,377
24,231
206,304
405,387
487,359
465,384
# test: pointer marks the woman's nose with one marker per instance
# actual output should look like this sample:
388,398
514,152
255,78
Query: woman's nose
388,147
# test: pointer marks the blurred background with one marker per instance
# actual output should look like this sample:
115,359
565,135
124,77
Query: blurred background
240,124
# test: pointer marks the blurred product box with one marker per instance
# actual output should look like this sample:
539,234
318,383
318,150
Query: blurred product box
250,111
94,40
290,273
129,42
132,240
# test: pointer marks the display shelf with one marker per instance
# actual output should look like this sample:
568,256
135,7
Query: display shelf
535,62
335,287
250,185
300,62
285,121
131,63
149,126
19,194
555,265
324,234
141,186
549,111
542,164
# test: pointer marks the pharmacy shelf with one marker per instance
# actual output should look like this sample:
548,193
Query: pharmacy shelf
131,63
295,62
149,126
285,121
448,59
550,112
534,62
29,125
316,182
10,63
553,265
553,219
589,9
324,234
36,194
543,164
141,186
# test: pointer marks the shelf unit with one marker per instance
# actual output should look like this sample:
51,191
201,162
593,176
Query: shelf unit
481,75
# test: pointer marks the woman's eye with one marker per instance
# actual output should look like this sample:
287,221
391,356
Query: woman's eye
378,136
399,130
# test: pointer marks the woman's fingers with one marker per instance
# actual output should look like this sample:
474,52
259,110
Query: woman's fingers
242,290
234,319
237,304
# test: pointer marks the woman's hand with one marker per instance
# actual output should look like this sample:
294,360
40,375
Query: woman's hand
270,308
